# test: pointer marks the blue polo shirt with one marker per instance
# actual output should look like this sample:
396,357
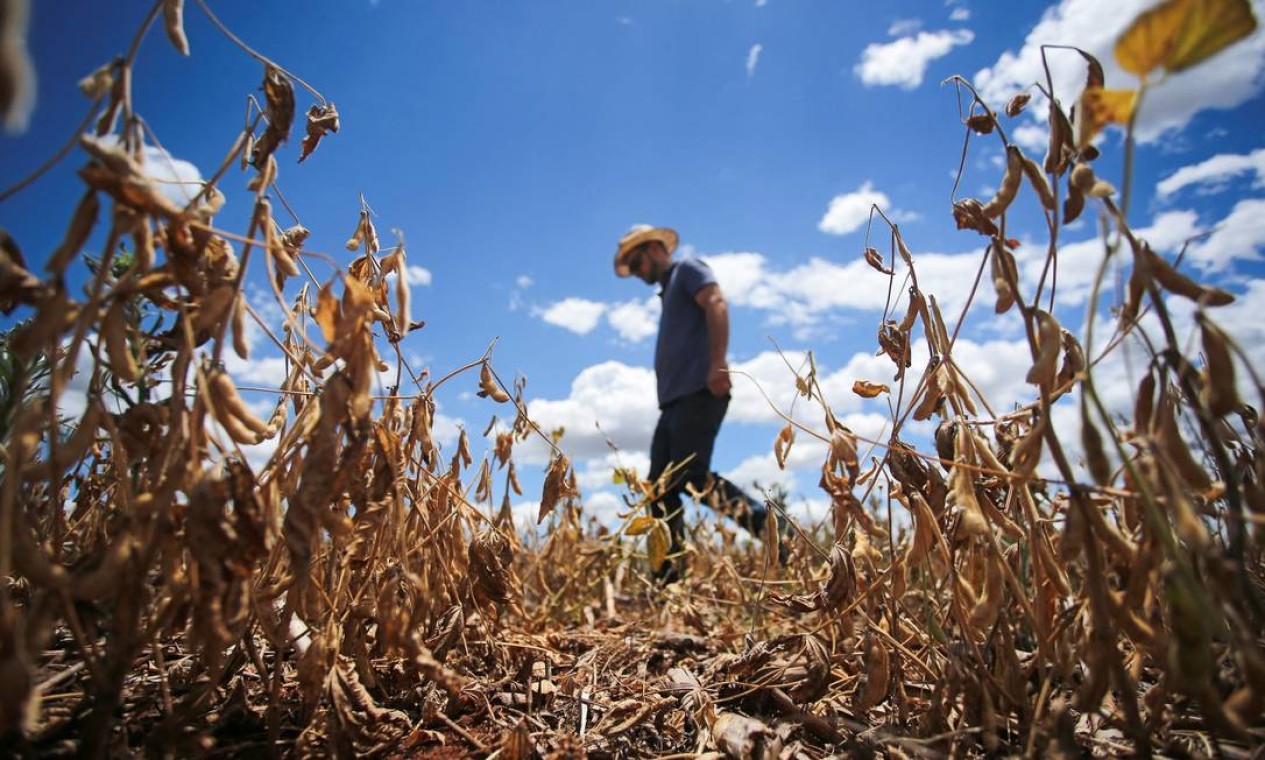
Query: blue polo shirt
681,352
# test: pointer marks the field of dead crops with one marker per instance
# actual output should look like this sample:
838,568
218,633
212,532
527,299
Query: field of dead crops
360,594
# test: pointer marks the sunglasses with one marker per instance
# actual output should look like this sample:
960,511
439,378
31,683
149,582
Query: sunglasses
636,259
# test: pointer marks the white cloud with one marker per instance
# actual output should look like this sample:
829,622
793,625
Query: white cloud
414,275
765,374
1079,261
578,315
619,397
521,283
1215,173
597,473
904,27
265,371
605,507
904,62
753,56
178,179
960,14
1032,137
418,275
1231,78
808,293
805,458
635,320
850,212
1241,235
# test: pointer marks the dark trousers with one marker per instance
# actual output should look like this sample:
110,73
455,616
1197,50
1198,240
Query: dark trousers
688,426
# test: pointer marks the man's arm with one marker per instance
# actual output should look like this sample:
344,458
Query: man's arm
716,314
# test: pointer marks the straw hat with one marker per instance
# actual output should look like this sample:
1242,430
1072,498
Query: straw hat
638,234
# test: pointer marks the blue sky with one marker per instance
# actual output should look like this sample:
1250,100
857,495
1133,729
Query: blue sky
513,142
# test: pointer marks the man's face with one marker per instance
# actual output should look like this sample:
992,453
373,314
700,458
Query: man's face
647,262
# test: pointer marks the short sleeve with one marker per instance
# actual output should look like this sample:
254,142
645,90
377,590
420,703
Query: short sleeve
695,275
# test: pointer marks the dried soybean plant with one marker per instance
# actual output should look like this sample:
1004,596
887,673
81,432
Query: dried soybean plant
1032,605
174,522
185,569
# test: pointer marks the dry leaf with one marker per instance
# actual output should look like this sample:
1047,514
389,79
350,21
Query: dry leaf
875,260
321,120
739,736
279,99
867,389
555,487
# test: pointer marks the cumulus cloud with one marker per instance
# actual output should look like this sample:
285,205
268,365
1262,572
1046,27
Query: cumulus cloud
1231,78
1214,174
753,57
904,62
414,275
635,320
805,295
618,397
850,212
1079,261
418,275
1241,235
579,315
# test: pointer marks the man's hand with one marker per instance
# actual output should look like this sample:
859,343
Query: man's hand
718,381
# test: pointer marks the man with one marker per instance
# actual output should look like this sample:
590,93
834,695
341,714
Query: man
693,383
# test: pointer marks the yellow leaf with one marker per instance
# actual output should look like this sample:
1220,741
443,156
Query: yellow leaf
1178,34
1147,42
657,544
1100,107
1210,27
617,477
640,525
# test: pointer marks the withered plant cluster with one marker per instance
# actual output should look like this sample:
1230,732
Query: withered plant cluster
356,594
